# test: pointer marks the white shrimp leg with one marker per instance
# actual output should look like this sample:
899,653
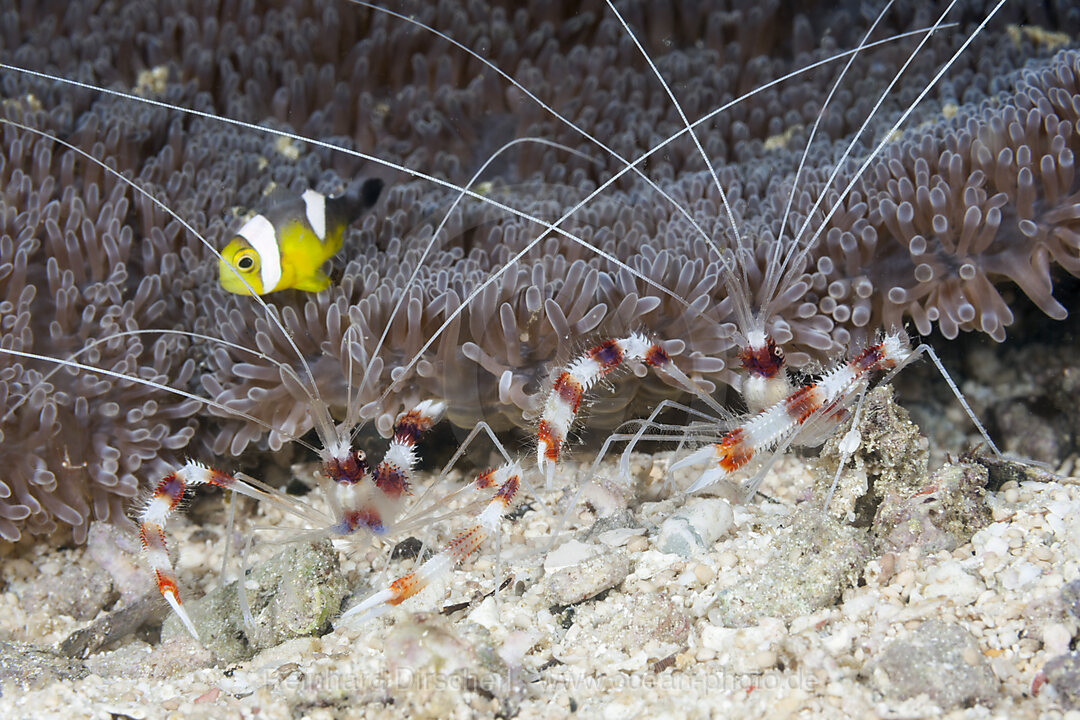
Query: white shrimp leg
506,481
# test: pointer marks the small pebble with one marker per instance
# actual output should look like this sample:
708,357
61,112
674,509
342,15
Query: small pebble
619,536
941,660
971,655
703,573
646,586
695,528
727,559
573,584
80,591
1070,594
1056,638
569,554
295,593
31,666
638,544
1063,672
764,659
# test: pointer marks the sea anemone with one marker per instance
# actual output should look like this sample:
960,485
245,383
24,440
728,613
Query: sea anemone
979,192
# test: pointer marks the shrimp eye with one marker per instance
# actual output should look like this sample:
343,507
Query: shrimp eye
245,261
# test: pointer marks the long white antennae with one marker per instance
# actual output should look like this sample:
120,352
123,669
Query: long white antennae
552,111
773,268
887,137
165,331
603,186
354,153
740,294
434,236
443,183
320,410
686,122
731,275
142,381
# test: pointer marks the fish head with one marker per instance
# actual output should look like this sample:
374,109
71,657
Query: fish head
240,260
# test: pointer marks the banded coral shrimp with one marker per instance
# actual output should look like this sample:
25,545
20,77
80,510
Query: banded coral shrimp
781,417
815,410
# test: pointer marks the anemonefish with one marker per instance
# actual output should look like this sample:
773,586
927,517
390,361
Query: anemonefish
285,247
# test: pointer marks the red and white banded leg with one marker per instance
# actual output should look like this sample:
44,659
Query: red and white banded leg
777,425
155,514
561,406
506,482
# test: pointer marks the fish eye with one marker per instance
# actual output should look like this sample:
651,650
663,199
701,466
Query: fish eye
245,261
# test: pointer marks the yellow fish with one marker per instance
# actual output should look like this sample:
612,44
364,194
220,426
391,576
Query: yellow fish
285,247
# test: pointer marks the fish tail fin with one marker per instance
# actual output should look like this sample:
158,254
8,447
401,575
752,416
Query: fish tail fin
370,191
351,204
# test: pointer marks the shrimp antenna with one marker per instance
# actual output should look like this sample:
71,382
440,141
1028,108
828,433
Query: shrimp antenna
554,227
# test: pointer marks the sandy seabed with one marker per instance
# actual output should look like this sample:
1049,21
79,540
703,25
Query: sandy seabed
650,641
